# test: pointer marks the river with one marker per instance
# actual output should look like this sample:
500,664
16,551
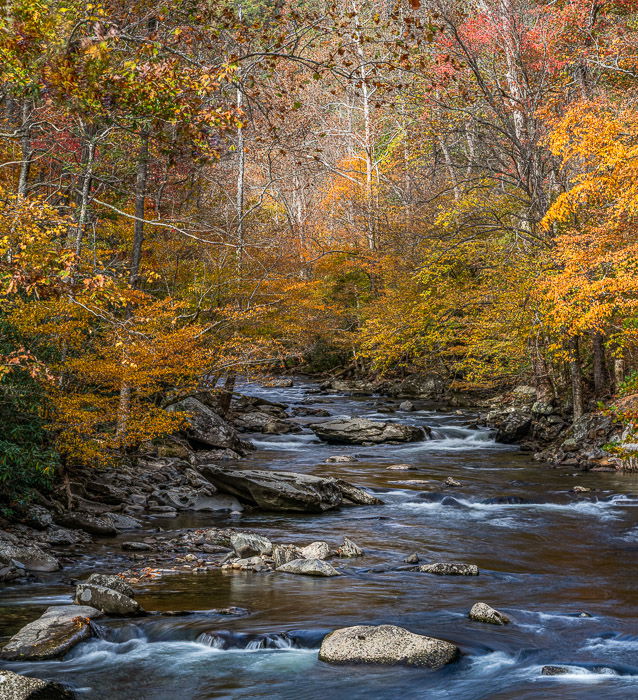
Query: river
547,557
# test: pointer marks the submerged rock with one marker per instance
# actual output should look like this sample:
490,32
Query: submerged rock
555,670
16,687
308,567
59,629
444,569
386,644
482,612
278,491
359,431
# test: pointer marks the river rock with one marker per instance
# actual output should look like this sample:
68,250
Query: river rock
401,467
262,422
32,558
308,567
581,489
107,600
482,612
412,558
349,549
356,495
555,670
277,491
340,459
444,569
123,522
450,481
283,553
16,687
247,544
359,431
115,583
59,629
206,428
316,550
385,644
406,406
93,524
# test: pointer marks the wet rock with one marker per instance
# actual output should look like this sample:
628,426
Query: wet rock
385,644
444,569
358,431
285,383
450,481
401,467
59,629
37,516
123,522
316,550
420,385
93,524
354,494
277,491
310,411
284,553
555,670
107,600
206,428
219,536
136,547
31,558
412,558
164,511
115,583
261,422
581,489
16,687
248,544
406,406
349,549
63,536
482,612
308,567
340,459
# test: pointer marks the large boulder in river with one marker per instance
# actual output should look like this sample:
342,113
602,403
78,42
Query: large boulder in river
278,491
358,431
101,526
308,567
262,422
16,687
32,558
107,600
248,544
206,429
59,629
385,644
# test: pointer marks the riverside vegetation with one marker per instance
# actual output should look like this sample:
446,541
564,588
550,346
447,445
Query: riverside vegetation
235,233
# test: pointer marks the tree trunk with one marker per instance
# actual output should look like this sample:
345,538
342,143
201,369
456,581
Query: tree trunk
576,375
140,197
619,373
123,414
27,151
84,195
599,367
227,393
239,203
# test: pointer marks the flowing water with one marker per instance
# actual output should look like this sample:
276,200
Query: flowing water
545,555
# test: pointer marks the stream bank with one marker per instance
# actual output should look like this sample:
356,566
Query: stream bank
547,554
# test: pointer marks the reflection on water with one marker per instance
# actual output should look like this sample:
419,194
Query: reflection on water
545,557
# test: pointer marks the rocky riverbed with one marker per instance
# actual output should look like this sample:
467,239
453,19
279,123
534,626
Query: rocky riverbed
443,563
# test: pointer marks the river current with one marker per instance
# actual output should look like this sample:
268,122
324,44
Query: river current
561,566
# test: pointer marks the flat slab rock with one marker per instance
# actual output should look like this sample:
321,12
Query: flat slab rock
57,631
16,687
285,491
32,558
386,644
359,431
309,567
